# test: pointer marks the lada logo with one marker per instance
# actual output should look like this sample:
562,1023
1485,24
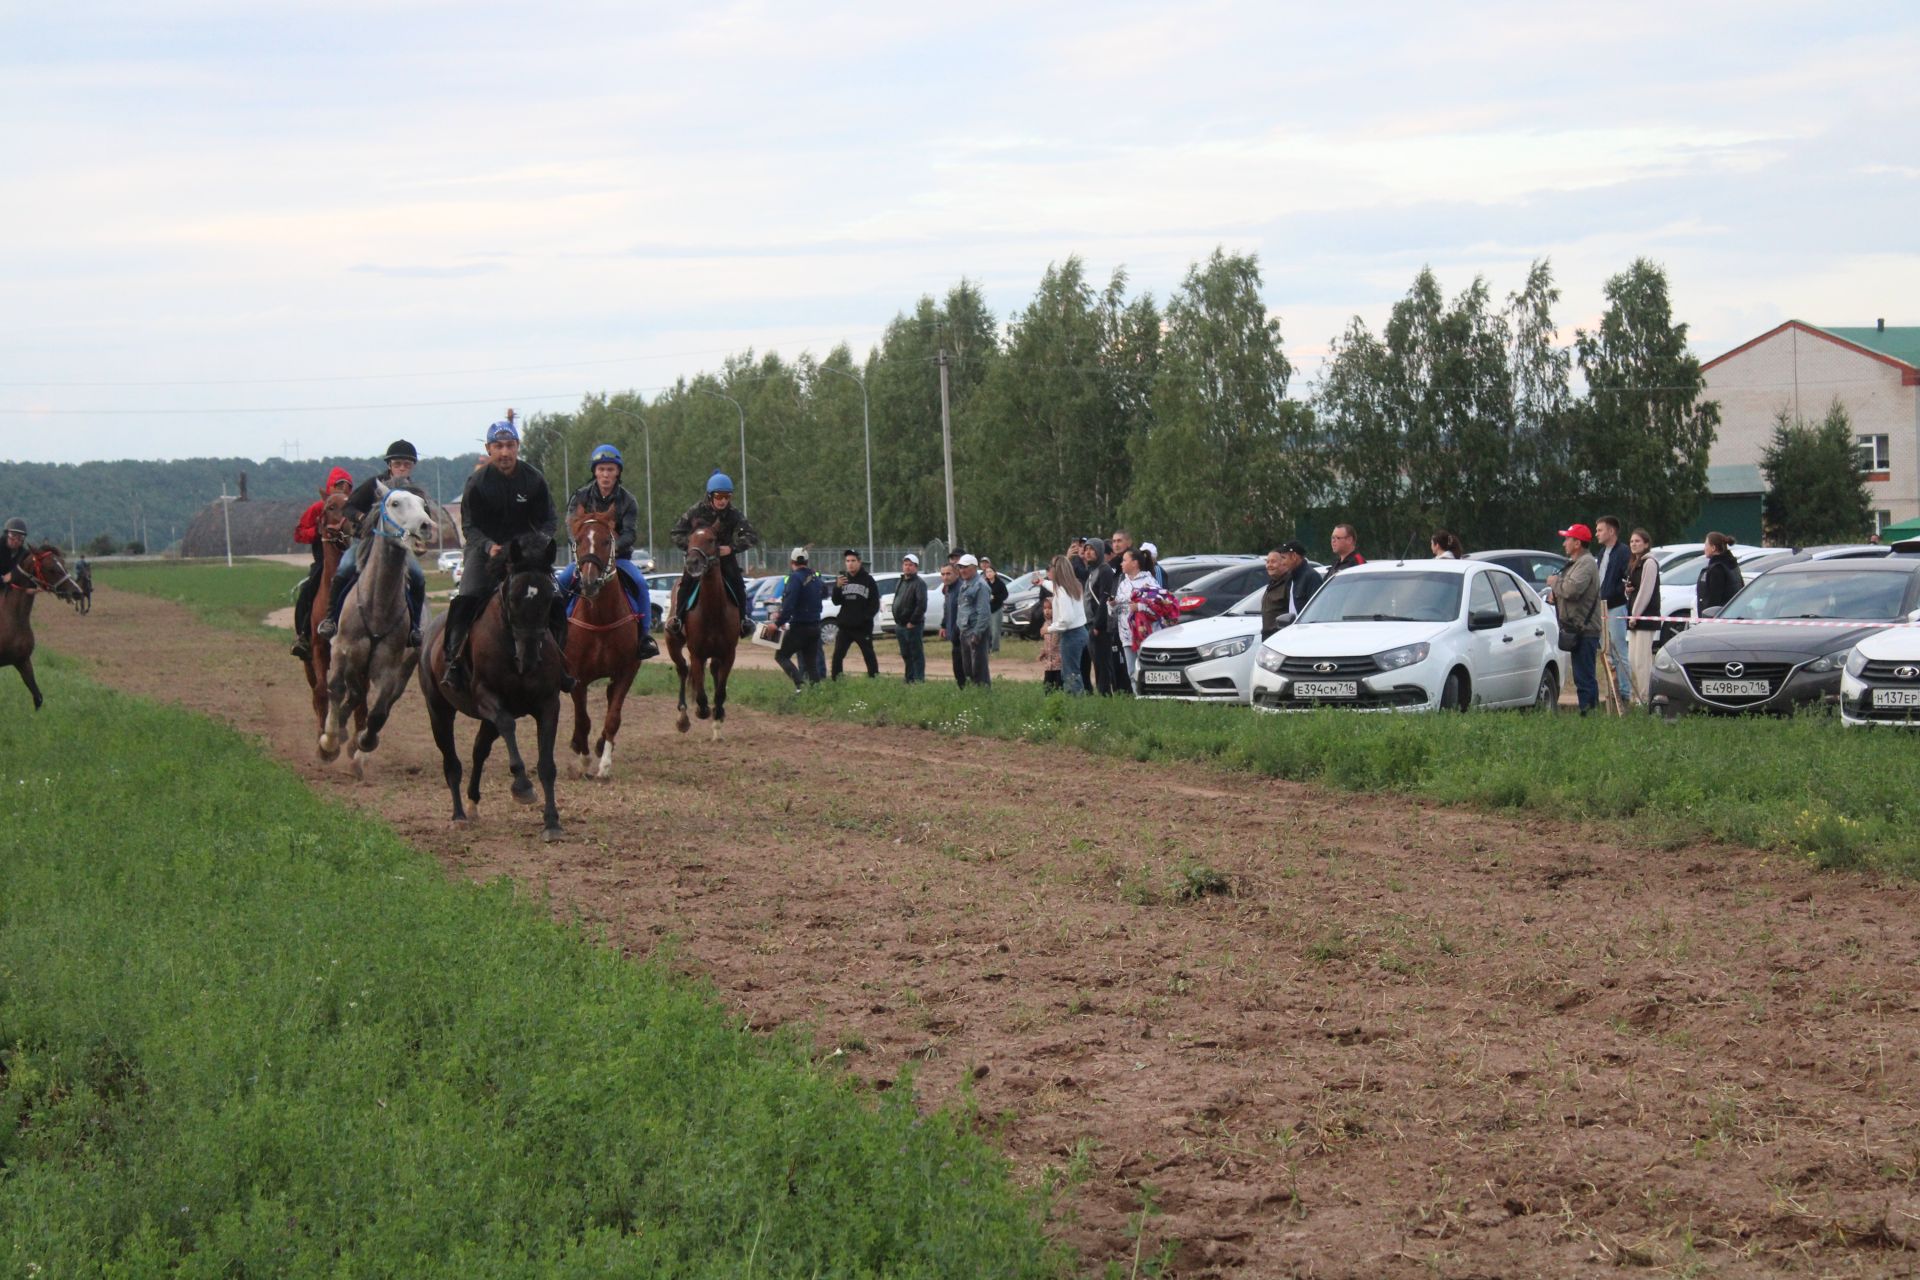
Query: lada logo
1907,673
1326,668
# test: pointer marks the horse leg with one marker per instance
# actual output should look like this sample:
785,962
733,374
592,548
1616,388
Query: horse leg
722,668
522,787
610,728
482,748
340,699
702,707
680,665
440,717
389,691
548,728
582,726
25,667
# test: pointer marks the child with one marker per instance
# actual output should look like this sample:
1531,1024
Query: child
1049,645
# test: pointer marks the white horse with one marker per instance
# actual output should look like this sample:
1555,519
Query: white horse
371,657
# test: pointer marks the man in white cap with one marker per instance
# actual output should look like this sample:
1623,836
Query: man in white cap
910,618
799,613
973,621
1159,574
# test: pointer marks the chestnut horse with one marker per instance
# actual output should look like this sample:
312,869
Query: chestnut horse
371,658
48,572
515,671
334,537
603,637
712,630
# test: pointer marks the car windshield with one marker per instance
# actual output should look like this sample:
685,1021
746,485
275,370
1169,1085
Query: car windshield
1386,597
1834,593
1247,606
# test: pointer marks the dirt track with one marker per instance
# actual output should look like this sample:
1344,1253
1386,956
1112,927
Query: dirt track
1413,1041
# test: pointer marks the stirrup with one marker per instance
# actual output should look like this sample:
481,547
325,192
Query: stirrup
414,638
327,629
301,648
648,647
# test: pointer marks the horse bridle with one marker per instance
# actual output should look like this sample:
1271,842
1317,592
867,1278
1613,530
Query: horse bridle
388,527
591,533
33,563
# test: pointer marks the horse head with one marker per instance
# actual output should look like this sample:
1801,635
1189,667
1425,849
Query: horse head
49,572
701,550
403,514
527,596
334,520
593,534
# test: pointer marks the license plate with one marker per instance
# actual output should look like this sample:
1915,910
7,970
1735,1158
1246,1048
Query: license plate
1161,677
1734,688
1326,689
1896,697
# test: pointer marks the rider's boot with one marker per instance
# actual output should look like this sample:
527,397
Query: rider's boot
416,602
302,619
648,647
557,625
342,583
460,615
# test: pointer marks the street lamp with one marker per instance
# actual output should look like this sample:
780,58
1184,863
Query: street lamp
226,515
866,433
648,437
721,395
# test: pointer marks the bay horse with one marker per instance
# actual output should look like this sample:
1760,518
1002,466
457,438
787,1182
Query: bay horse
515,671
711,630
371,659
47,572
334,538
603,637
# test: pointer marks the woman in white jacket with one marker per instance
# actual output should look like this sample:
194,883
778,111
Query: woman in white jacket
1069,621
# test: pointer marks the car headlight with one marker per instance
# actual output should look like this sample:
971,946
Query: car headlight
1832,661
1856,663
1663,661
1225,648
1269,661
1405,656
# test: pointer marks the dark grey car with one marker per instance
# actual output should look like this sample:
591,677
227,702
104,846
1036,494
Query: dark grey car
1782,642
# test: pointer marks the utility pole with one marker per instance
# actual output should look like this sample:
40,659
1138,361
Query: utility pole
946,449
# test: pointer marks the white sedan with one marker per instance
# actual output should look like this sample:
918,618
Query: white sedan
1208,660
1881,682
1415,635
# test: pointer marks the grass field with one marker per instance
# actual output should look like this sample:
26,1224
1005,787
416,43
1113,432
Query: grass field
236,597
245,1032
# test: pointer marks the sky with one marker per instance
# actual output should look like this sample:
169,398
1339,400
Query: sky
258,228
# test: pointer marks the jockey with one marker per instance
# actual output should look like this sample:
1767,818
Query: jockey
308,532
401,457
731,533
605,493
13,550
503,499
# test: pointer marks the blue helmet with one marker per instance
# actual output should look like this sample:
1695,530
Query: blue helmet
719,482
607,453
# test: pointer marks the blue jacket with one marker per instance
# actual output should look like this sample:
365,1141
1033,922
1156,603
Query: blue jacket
801,598
1613,578
974,612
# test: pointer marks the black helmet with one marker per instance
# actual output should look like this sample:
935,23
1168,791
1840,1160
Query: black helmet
401,450
17,525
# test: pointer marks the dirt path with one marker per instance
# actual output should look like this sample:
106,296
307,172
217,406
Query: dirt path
1412,1041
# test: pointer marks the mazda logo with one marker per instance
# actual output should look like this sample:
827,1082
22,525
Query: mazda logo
1907,673
1736,669
1326,668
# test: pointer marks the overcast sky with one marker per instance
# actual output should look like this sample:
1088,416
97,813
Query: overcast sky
335,222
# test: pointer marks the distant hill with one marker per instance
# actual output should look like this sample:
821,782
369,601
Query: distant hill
118,499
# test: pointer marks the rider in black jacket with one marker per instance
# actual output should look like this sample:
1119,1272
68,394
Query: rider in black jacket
859,600
503,499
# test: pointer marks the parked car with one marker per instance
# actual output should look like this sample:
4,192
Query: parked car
1212,594
1534,567
1678,584
1673,554
936,602
1181,570
1880,681
1020,615
1206,660
450,561
1728,662
1414,636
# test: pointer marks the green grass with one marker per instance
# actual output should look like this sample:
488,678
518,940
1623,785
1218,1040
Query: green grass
237,598
1806,785
244,1032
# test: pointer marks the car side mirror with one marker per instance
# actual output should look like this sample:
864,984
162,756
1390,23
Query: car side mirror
1485,619
1282,620
1712,611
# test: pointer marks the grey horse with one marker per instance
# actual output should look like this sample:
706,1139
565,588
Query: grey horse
371,657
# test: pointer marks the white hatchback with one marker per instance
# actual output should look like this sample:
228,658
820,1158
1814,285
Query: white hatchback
1207,660
1415,635
1881,682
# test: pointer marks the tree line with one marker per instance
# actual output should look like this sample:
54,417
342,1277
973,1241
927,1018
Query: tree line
1091,407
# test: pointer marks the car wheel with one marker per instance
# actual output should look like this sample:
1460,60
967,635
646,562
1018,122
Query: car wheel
828,634
1547,697
1453,694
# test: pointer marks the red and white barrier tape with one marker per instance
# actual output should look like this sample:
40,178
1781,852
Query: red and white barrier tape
1692,621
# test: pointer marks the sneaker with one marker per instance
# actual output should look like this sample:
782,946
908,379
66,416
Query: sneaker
327,629
301,648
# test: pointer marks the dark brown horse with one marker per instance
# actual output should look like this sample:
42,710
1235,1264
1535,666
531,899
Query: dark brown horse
603,637
711,633
47,572
334,537
515,671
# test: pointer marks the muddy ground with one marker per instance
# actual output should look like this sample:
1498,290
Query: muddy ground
1409,1040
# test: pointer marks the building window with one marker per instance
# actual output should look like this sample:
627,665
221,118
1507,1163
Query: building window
1881,519
1874,453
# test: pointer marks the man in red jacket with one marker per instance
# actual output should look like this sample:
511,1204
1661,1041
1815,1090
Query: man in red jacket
307,533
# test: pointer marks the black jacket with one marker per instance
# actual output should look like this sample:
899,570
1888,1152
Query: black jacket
9,558
997,590
1347,561
1287,593
1101,584
626,513
1719,582
910,601
497,508
859,601
1613,573
730,528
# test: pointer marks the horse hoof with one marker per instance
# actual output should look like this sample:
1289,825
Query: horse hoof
460,822
681,724
327,749
606,761
359,772
368,740
524,797
550,834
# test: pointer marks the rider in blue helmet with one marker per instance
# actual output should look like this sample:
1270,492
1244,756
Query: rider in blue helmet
732,534
605,493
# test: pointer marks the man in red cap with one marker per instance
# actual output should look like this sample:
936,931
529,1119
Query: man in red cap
1576,601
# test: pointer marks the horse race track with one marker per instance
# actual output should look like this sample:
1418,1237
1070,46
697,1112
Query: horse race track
1411,1041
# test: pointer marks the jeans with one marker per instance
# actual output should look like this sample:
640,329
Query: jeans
913,652
1622,660
1073,647
416,576
973,655
804,641
1584,681
635,583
